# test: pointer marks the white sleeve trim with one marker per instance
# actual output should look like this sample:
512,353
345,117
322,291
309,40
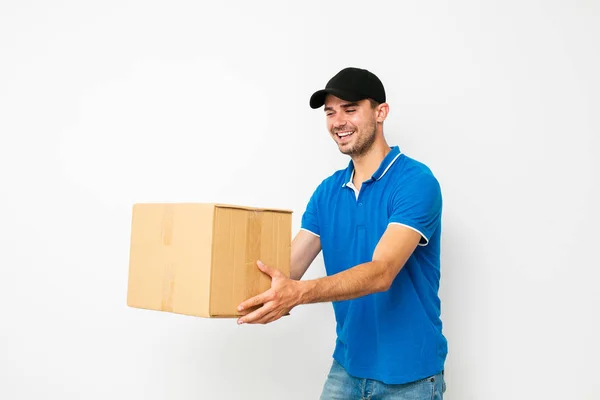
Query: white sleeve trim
416,230
304,229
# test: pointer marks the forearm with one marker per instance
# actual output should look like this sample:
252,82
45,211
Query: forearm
361,280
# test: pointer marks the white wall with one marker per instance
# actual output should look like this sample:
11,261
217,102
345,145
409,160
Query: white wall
109,103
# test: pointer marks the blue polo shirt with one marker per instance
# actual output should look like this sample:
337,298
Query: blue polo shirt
393,336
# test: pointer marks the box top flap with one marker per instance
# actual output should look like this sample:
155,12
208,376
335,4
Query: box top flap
249,208
218,205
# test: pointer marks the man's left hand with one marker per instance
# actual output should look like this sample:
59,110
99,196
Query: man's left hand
276,302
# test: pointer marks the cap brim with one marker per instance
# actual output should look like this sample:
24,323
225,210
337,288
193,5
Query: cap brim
318,98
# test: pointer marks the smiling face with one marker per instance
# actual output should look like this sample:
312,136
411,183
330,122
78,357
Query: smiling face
353,125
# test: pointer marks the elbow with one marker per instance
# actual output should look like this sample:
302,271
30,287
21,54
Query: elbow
384,284
385,278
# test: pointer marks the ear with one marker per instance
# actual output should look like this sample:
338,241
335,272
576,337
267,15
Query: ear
381,112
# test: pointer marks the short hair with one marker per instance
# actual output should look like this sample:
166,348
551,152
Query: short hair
374,103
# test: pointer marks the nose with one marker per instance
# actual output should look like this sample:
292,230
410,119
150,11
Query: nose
339,121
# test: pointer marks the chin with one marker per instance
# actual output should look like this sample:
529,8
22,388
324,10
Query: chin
345,149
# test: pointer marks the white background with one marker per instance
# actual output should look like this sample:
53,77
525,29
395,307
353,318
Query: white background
103,104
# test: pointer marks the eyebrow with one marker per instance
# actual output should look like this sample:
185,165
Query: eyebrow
345,105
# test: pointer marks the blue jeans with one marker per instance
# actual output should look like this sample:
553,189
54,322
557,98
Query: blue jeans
341,386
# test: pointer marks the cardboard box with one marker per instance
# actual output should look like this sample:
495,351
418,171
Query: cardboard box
200,259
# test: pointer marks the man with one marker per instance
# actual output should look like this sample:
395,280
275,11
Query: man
378,223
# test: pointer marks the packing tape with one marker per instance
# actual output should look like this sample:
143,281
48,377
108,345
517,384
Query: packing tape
169,269
253,249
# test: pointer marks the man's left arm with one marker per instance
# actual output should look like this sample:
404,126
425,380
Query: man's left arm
394,248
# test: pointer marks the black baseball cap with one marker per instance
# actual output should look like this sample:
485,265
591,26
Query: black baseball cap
351,84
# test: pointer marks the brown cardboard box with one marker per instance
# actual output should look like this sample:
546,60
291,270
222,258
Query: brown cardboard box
200,259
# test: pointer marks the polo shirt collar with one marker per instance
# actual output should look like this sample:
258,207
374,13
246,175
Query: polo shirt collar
385,165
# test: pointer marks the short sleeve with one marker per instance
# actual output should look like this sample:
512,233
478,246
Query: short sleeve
417,204
310,217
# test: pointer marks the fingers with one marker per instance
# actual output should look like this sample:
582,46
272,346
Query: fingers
254,301
255,315
248,310
268,318
272,272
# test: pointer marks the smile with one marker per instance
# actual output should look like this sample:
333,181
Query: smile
344,134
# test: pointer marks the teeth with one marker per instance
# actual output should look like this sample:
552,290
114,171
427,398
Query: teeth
343,134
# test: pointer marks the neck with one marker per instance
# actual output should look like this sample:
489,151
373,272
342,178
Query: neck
366,164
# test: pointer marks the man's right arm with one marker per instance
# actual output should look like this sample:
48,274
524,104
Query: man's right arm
305,248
